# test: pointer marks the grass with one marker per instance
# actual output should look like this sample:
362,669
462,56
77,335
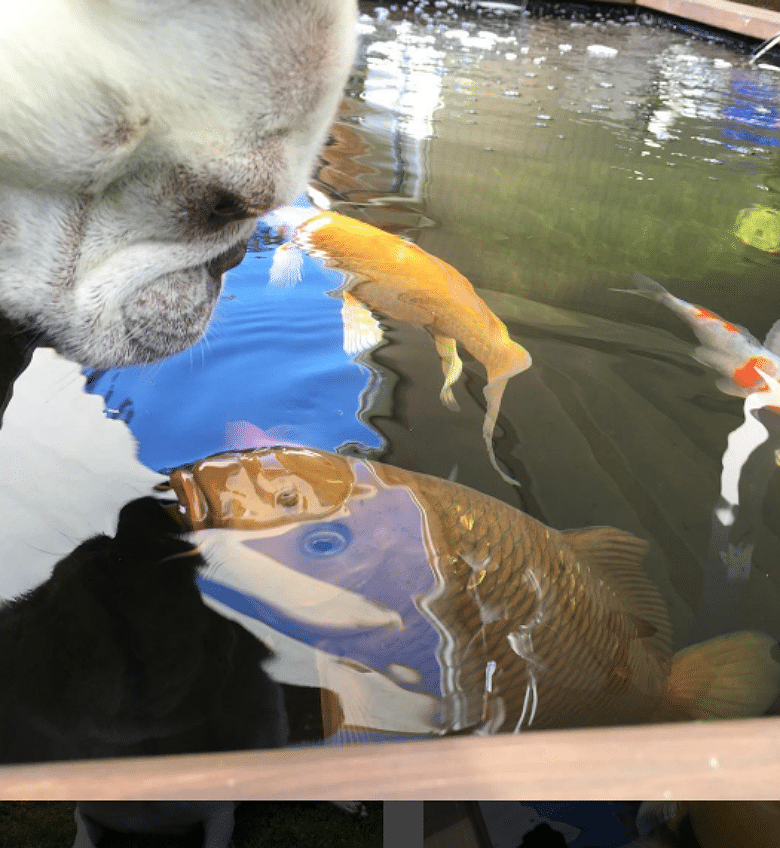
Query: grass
270,824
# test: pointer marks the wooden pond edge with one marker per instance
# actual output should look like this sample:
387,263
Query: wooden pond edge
725,760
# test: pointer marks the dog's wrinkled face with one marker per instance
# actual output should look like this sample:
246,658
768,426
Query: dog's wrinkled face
139,142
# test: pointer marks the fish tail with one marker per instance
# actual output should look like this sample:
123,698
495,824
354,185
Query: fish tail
513,359
734,676
494,391
645,287
510,358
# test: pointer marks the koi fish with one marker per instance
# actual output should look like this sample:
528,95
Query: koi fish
494,620
395,278
743,824
728,348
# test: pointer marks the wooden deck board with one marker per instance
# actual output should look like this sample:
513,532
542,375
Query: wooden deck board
752,21
718,760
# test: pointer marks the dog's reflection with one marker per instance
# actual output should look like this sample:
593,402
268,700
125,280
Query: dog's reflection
117,655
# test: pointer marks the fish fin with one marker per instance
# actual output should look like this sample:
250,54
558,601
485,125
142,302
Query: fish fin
361,330
720,360
618,550
725,363
507,360
511,360
372,702
286,266
652,814
619,555
772,340
729,387
734,676
645,287
452,367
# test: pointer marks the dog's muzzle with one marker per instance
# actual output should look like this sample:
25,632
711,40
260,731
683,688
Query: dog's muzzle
227,260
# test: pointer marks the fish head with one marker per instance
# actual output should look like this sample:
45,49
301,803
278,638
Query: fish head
326,560
347,244
262,488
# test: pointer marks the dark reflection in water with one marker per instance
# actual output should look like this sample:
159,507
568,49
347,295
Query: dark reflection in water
549,161
116,655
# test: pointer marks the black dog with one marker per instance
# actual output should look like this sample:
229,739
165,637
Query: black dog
117,655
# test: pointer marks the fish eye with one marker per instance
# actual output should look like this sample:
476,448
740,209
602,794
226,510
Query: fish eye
325,540
287,498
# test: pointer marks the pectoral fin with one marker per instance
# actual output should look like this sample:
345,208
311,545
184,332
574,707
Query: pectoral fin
361,330
286,266
772,340
452,367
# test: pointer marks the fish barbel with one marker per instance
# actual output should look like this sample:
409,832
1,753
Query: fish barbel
402,281
728,348
504,622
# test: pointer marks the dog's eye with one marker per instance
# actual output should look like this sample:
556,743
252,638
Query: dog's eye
287,498
226,206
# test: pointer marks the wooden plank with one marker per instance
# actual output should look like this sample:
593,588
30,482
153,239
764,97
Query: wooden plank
745,20
717,760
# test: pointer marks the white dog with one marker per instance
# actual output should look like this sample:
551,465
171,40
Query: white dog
139,142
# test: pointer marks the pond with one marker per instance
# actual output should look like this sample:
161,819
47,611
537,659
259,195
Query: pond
549,159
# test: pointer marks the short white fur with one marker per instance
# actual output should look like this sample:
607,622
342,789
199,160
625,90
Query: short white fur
119,120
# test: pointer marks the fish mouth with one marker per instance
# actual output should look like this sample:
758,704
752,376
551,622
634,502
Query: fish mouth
191,506
227,260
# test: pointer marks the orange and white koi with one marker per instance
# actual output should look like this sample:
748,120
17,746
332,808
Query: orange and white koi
388,275
730,349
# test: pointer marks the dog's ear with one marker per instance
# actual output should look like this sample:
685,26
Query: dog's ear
146,530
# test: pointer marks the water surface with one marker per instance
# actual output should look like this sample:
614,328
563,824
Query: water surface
548,159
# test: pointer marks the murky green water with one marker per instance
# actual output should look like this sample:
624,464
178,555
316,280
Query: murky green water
549,160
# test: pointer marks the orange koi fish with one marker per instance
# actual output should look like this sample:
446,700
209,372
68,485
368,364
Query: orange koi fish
732,350
391,276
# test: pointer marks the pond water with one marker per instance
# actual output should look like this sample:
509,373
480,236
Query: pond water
549,159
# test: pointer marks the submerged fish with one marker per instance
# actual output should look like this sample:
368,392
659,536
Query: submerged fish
736,824
499,621
400,280
728,348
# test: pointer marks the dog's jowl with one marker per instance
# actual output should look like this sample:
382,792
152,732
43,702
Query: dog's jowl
140,141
